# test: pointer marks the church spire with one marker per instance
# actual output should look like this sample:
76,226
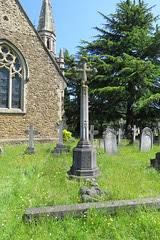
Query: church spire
46,27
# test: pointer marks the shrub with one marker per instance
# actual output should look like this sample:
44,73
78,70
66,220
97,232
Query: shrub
66,135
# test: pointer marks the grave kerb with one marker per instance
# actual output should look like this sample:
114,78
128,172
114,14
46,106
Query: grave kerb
109,207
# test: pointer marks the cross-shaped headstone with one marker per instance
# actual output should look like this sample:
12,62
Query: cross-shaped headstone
119,137
134,129
60,128
121,123
60,147
92,132
31,133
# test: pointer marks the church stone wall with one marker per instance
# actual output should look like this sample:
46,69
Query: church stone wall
43,87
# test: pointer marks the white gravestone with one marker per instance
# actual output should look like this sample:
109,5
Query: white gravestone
110,141
134,141
146,142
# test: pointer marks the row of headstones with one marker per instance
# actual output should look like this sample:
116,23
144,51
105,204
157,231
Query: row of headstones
110,144
60,147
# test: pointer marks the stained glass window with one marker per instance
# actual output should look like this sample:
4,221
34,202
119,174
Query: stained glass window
10,79
4,87
16,92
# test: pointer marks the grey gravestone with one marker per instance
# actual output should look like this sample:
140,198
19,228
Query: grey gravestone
119,138
31,132
110,143
146,142
134,141
101,143
156,162
92,132
84,154
60,147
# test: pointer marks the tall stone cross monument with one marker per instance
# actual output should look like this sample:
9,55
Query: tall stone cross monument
84,155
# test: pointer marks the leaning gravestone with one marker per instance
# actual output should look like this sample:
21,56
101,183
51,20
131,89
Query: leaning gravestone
31,132
110,141
60,147
146,141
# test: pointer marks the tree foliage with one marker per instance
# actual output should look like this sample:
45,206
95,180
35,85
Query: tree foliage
126,53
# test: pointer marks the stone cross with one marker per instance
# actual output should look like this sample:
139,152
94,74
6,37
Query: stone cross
119,137
60,147
31,133
92,132
84,154
84,122
60,127
121,123
134,134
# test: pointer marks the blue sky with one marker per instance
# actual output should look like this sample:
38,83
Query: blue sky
75,20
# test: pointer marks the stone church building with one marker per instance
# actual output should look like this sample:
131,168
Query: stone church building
32,82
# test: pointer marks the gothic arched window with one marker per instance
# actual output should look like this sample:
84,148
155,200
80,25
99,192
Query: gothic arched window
13,75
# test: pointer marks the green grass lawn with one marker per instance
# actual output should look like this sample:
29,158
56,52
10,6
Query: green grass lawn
28,181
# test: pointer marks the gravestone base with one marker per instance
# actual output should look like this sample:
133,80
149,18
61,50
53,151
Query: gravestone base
60,148
84,161
101,144
156,162
135,143
30,151
120,144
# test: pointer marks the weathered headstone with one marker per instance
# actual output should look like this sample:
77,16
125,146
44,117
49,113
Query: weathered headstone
92,132
31,149
84,154
101,143
156,162
146,141
121,123
110,141
119,138
60,147
134,141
